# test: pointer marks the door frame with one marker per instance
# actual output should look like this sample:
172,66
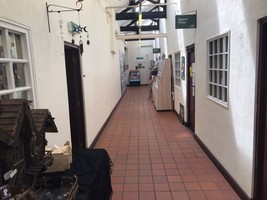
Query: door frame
75,90
260,137
188,48
172,82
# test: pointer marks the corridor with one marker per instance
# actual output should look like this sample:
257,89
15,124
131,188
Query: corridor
155,157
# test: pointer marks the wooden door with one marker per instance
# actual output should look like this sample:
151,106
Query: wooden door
75,94
191,87
261,114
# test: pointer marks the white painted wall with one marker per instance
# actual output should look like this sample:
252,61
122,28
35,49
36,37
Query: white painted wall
227,132
100,67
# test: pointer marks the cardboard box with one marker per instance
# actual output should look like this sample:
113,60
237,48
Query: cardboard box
62,158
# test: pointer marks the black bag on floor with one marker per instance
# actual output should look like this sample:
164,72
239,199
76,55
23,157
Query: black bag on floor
93,168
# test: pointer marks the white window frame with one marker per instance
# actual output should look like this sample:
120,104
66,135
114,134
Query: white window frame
218,65
177,69
7,27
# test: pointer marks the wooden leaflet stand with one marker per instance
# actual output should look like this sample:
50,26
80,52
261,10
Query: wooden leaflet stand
161,88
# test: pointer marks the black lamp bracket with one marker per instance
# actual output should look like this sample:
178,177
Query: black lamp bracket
60,9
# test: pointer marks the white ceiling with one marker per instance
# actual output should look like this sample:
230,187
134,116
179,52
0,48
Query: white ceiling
117,2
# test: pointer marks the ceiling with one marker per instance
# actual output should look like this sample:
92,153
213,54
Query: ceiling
127,14
117,2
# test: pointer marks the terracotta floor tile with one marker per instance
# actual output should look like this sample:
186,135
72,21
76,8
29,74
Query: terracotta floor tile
188,178
192,186
117,179
163,196
196,195
131,187
172,172
208,186
145,172
117,196
131,179
145,179
173,179
214,195
155,157
161,187
160,179
180,195
132,172
177,186
146,187
117,187
146,196
130,195
158,172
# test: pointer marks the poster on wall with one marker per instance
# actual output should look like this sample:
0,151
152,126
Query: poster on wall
123,72
183,67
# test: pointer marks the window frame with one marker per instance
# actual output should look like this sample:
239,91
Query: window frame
177,71
6,28
220,69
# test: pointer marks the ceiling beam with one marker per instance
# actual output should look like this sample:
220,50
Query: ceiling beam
143,28
140,36
135,6
145,15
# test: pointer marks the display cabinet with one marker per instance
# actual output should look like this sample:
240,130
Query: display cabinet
161,88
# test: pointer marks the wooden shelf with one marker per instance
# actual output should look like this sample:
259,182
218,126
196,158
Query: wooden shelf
161,88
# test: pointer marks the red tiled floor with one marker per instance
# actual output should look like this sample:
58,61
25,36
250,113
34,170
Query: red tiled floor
155,157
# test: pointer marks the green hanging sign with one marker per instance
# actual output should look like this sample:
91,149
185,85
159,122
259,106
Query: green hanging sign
156,50
185,21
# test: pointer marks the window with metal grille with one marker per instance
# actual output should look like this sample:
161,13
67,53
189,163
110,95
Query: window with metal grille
218,69
15,62
177,69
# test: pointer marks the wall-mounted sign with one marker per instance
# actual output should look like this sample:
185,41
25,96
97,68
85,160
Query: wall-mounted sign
139,58
185,21
156,50
183,67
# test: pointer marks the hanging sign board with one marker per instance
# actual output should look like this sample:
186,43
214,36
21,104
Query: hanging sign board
185,21
156,50
75,28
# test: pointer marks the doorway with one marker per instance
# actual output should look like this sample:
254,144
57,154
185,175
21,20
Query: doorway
143,60
260,188
190,51
75,95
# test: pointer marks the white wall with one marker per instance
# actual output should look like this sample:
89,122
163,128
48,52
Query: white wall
227,132
177,41
100,67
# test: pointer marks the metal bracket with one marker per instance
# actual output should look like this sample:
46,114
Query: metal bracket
62,9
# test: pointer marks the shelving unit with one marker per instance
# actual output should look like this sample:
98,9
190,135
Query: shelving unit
134,77
161,88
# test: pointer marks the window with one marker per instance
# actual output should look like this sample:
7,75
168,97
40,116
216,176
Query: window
218,69
15,62
177,72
